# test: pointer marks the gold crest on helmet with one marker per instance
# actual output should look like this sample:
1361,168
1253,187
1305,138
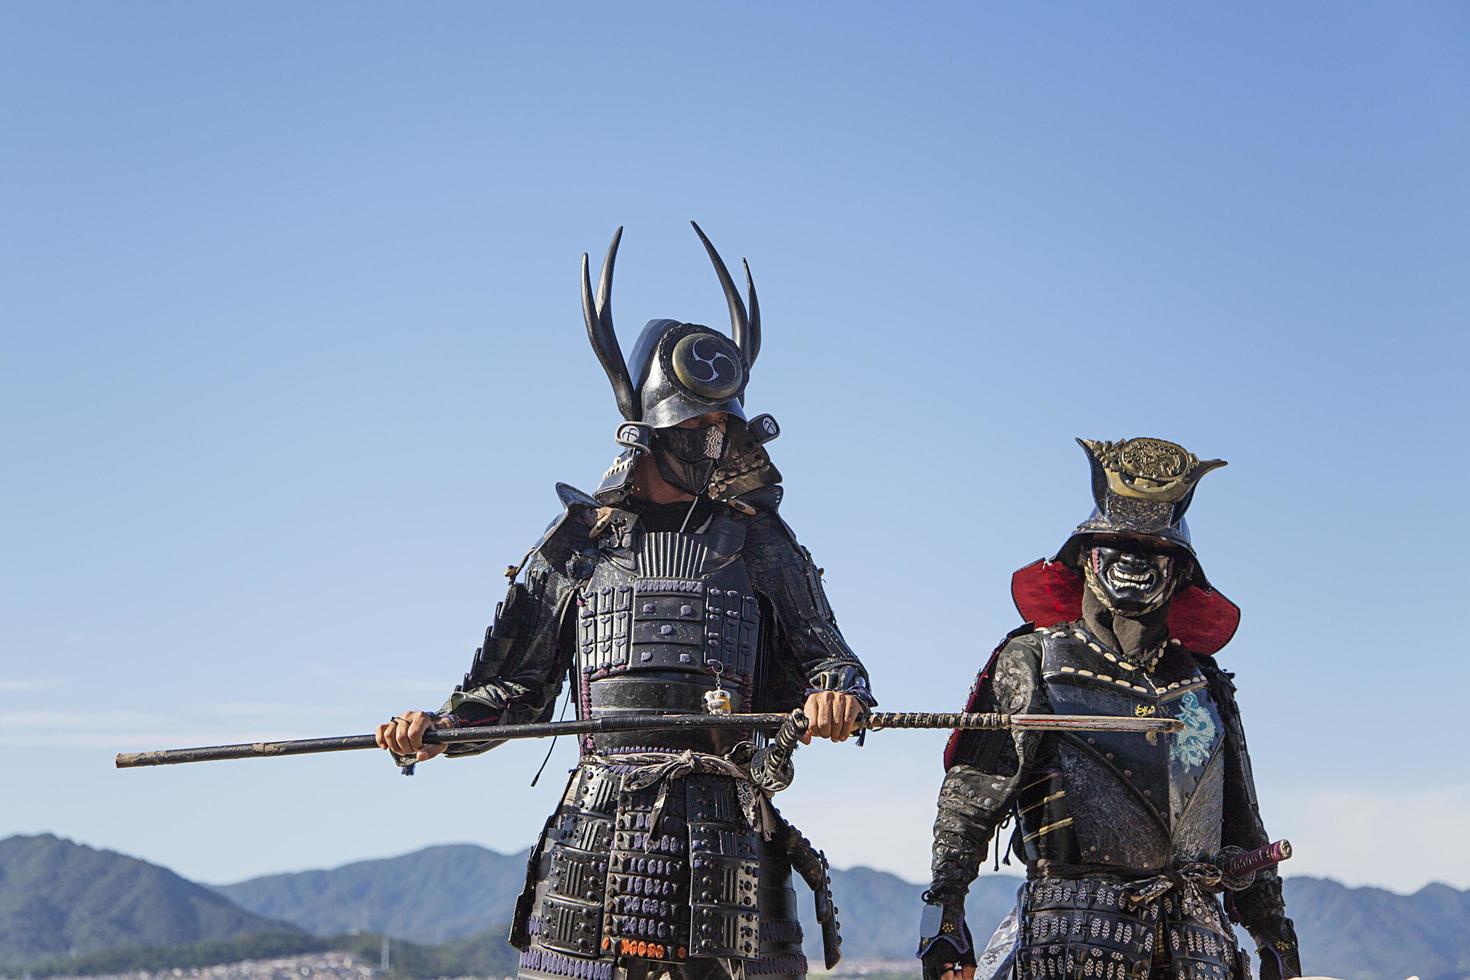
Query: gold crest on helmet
1149,469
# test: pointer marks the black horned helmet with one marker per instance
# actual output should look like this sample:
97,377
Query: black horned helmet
681,371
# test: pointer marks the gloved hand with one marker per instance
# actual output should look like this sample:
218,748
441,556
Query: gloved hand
1279,960
945,947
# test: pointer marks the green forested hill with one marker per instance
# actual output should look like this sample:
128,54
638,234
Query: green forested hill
451,892
429,896
58,898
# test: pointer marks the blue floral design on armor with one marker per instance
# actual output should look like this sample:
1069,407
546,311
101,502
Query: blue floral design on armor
1192,746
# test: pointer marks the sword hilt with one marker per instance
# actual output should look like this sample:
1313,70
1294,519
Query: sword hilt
1238,867
771,767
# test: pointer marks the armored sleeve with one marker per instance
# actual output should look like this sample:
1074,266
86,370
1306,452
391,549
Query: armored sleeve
1261,909
517,672
784,573
980,785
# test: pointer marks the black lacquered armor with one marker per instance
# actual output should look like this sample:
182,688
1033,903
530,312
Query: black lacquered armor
1095,813
653,857
661,624
1150,804
1122,835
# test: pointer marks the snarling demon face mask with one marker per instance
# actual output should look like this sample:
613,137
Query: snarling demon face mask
1131,579
687,455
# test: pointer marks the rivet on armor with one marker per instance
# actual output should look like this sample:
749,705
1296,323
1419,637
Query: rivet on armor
686,610
649,607
665,630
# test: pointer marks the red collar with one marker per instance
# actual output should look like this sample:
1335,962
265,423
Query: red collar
1048,593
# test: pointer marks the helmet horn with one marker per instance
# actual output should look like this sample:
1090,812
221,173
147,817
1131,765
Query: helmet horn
598,315
745,329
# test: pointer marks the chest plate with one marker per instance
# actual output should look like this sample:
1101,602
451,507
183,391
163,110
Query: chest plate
662,623
1135,803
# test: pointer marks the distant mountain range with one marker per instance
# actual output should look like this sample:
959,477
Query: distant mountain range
59,900
429,896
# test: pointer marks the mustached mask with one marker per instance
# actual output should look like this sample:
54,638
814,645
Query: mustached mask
1129,578
1134,553
678,371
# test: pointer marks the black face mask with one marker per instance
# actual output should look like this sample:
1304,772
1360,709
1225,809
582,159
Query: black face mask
1133,582
688,457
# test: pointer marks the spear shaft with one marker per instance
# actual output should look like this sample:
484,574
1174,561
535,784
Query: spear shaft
875,721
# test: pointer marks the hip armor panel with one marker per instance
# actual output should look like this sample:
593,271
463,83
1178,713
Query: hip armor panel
1089,927
570,865
726,870
619,876
1150,806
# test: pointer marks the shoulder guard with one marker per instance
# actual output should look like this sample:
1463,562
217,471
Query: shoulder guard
963,745
571,532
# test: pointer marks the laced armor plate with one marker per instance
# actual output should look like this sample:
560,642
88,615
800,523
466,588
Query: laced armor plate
1089,927
661,624
1149,805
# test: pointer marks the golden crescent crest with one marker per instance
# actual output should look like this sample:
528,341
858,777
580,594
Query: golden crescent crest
1150,469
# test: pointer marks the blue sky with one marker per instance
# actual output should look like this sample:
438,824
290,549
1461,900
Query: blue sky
293,358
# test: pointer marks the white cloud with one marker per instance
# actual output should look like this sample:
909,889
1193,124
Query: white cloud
1359,837
28,685
882,819
214,723
84,637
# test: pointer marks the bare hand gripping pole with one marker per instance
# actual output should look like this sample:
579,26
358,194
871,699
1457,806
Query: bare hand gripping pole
877,721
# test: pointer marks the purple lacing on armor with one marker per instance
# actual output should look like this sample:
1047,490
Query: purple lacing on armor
584,705
781,963
637,749
558,964
780,931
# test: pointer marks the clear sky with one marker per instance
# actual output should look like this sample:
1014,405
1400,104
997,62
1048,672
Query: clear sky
293,357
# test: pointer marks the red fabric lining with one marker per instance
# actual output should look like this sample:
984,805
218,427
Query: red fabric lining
1047,593
972,703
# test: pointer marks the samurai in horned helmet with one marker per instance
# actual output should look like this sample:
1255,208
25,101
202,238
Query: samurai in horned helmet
675,588
1128,841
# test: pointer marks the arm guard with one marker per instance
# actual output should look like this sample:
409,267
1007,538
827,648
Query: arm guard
786,575
1259,908
979,789
518,670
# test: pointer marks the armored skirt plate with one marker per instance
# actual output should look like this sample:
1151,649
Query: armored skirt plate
618,876
1090,928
